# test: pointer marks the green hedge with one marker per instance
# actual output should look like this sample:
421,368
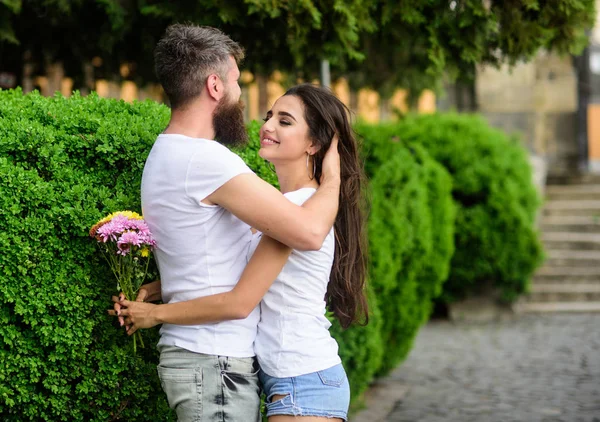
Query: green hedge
496,240
411,228
64,164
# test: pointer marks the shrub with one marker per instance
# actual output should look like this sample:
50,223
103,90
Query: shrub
361,348
65,163
496,239
410,236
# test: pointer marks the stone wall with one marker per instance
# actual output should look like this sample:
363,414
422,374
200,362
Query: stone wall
596,30
538,101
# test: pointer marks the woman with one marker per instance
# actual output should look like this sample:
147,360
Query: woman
301,371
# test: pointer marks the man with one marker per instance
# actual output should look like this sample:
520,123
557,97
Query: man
200,200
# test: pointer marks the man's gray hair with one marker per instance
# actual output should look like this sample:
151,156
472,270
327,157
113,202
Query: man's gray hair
187,54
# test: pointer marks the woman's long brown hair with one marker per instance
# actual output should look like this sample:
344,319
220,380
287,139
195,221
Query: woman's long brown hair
326,115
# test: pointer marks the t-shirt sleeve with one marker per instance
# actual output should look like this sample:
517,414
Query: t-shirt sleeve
211,168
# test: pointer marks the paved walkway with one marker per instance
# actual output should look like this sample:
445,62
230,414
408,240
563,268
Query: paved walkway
534,368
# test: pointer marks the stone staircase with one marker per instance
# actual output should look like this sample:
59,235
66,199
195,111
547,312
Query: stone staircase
569,280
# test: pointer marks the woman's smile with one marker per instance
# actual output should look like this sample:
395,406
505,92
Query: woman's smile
268,140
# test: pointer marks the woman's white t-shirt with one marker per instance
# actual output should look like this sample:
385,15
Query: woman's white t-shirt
293,332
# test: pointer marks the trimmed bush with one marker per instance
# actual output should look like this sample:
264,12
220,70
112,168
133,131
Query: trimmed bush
67,162
411,228
496,239
361,348
64,164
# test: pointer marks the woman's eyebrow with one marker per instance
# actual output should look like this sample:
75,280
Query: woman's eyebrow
285,113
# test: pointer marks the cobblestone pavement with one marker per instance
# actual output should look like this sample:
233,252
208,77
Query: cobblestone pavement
534,368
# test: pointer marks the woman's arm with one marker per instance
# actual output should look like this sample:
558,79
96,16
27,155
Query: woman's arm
264,266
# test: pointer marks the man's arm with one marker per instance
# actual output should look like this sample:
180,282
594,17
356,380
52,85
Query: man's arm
260,205
150,292
266,263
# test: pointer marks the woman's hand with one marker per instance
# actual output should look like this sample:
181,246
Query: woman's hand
136,314
331,163
142,296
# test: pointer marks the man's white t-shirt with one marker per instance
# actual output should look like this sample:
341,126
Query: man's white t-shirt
293,333
201,249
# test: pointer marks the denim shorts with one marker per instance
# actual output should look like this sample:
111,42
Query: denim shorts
323,393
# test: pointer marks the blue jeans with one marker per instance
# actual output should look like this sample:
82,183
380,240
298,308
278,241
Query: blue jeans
207,388
323,393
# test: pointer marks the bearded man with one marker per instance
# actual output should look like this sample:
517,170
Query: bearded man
200,201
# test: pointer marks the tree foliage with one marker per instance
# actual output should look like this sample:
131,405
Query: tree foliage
379,43
418,42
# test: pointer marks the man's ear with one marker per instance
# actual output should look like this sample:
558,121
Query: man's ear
215,87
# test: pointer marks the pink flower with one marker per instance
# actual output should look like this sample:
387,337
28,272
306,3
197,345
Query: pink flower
109,231
129,238
126,231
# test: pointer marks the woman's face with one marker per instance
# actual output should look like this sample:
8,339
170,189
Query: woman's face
285,134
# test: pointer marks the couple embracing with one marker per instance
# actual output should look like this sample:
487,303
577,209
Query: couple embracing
247,271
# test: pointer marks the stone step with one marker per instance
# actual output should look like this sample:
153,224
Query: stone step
567,275
577,196
572,258
572,208
573,192
570,240
557,307
573,205
543,293
576,246
574,212
593,271
565,288
565,279
547,297
572,237
565,223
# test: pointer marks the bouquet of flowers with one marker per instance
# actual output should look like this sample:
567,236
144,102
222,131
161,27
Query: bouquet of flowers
126,242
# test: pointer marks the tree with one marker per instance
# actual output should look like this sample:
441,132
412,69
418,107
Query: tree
383,44
8,8
418,42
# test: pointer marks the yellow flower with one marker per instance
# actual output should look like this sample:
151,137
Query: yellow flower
128,214
144,252
100,223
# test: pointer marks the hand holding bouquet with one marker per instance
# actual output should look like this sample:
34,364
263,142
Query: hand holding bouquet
126,242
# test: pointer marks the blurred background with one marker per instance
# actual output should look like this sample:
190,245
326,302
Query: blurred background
480,130
535,71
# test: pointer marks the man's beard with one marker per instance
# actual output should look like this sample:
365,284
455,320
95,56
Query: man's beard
228,122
